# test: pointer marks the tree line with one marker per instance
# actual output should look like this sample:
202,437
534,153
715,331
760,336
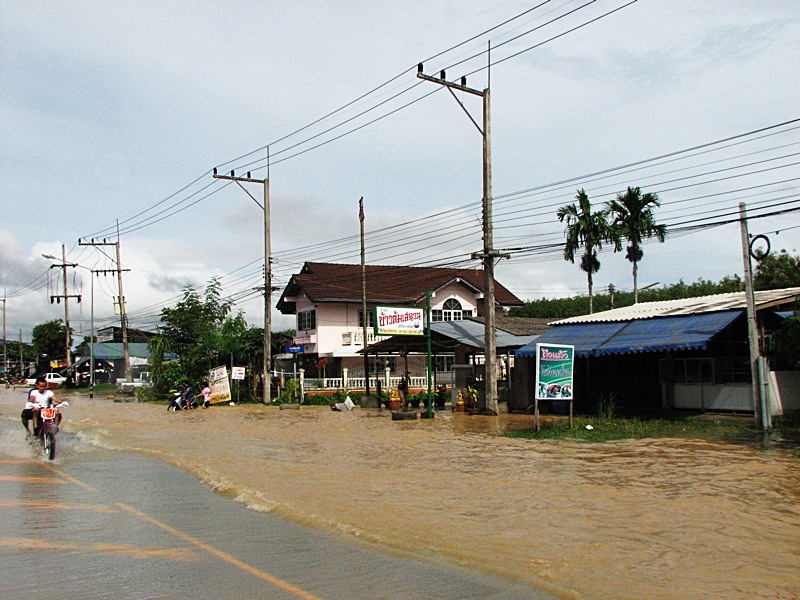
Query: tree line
774,271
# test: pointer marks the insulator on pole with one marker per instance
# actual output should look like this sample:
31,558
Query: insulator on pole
419,68
441,75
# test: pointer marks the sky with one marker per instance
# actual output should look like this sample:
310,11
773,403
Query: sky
115,113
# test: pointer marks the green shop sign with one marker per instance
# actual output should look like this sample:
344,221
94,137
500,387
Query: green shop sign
554,369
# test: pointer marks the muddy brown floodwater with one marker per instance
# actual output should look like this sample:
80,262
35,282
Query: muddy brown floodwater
667,518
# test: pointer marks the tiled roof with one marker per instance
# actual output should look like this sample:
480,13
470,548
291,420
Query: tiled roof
331,282
520,325
688,306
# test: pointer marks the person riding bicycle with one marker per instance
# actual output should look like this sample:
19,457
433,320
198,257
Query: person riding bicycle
38,398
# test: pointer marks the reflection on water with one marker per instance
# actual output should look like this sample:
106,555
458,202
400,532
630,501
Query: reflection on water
637,519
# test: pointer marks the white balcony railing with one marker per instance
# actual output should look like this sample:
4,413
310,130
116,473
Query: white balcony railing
356,338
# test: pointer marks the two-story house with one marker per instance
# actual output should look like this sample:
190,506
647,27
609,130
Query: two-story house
327,299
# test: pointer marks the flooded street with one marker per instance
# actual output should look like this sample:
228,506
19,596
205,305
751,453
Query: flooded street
631,519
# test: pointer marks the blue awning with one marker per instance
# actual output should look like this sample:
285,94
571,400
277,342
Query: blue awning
642,335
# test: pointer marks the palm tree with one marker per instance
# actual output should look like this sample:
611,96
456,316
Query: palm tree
584,229
633,220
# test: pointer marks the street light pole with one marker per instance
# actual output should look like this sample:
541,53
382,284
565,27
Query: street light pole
489,254
267,273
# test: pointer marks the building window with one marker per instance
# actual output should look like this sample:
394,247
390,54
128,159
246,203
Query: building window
370,317
307,320
444,363
451,311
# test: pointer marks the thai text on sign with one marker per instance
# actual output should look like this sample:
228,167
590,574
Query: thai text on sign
220,385
393,320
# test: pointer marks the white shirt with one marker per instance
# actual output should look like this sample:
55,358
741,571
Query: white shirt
37,398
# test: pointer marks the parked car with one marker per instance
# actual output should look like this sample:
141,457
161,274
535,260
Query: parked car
53,380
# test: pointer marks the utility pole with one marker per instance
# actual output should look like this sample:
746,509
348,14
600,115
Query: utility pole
364,329
267,271
489,255
760,410
66,296
122,307
5,343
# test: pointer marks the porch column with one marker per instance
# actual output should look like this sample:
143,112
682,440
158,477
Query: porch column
301,375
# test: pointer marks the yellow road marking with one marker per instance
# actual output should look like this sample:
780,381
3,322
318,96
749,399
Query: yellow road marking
31,479
71,478
183,554
224,556
58,505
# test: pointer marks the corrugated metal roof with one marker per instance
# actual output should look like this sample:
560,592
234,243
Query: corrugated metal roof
448,334
114,350
688,306
651,335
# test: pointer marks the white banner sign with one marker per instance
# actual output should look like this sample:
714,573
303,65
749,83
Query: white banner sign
392,320
219,384
237,372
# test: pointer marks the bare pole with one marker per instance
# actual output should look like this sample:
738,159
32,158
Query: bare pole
267,271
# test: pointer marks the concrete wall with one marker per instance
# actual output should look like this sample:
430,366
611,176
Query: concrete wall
709,396
784,390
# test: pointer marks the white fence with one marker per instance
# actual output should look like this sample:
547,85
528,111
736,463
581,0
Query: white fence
357,383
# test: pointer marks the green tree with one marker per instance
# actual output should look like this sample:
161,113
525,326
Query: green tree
776,271
633,220
192,330
783,345
584,229
50,338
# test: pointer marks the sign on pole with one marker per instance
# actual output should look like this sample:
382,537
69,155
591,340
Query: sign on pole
394,320
237,373
219,384
554,376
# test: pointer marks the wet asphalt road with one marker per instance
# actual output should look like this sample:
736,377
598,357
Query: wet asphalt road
103,524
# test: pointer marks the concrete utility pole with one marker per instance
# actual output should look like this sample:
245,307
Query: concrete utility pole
122,308
489,254
5,343
760,411
267,273
63,265
364,327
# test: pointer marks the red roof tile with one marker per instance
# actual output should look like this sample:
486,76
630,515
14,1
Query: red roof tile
330,282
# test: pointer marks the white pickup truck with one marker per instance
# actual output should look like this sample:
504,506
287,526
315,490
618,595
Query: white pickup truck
140,381
52,379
